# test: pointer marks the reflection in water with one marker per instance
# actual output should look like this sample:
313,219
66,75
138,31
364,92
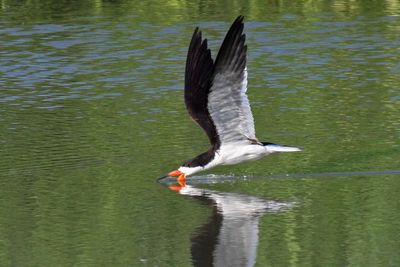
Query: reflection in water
230,238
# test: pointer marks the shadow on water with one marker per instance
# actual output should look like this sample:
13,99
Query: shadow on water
230,237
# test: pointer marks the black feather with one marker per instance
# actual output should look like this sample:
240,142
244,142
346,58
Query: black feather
199,75
199,67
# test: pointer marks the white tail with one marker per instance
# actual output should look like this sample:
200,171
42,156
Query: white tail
280,148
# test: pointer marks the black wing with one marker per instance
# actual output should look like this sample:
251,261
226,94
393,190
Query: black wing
199,68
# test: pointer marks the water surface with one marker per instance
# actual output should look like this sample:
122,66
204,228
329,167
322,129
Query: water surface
91,113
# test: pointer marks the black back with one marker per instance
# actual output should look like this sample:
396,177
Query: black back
202,159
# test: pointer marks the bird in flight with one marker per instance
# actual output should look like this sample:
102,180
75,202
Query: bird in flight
215,97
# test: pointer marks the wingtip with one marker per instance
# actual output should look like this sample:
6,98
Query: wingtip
239,22
196,33
239,19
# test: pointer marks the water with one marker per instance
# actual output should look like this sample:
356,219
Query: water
91,113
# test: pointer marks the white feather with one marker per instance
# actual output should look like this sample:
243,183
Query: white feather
230,109
279,148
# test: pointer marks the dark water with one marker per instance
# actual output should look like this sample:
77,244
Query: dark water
91,113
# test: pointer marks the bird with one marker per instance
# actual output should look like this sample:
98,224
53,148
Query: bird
215,98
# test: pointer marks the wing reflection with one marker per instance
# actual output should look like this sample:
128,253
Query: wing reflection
230,238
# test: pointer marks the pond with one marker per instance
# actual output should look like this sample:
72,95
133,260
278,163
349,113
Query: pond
92,113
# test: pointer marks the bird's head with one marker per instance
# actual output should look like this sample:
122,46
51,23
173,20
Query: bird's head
185,171
177,173
182,172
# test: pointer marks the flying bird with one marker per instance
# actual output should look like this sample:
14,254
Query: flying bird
215,97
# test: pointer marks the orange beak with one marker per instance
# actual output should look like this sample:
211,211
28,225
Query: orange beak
175,173
181,179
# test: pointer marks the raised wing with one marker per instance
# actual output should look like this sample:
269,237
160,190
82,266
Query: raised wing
199,67
228,104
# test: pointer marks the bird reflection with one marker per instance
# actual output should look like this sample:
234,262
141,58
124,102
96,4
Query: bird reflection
230,238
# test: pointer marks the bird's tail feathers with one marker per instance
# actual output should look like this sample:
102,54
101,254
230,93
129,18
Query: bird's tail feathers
280,148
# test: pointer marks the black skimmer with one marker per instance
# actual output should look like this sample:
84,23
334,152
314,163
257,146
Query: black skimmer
215,97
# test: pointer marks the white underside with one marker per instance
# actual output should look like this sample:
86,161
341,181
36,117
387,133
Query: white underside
238,152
